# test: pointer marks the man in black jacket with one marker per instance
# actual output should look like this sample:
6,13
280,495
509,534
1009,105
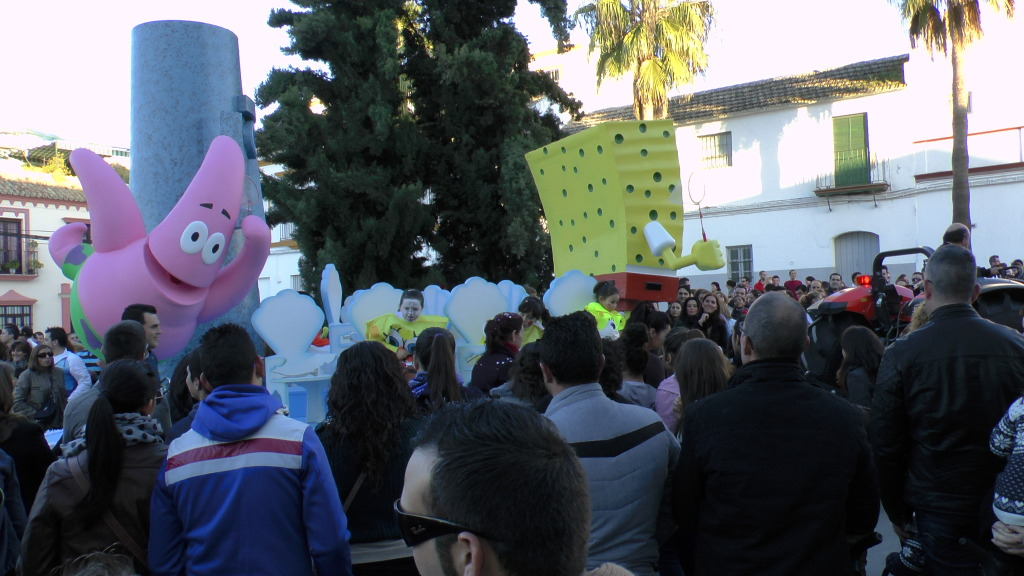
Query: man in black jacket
775,474
938,394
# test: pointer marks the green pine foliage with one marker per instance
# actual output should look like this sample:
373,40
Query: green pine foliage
351,185
428,109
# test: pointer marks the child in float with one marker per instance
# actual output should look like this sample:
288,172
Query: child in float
394,330
534,316
609,320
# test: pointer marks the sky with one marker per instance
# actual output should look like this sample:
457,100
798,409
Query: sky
67,63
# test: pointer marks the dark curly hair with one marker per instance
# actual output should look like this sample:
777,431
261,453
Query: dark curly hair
525,375
633,342
611,373
368,401
499,330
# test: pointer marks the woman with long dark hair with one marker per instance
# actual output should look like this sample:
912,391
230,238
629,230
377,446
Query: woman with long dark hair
103,485
193,367
712,321
20,351
675,313
668,391
862,353
39,394
691,314
525,383
658,325
504,336
179,398
371,421
437,381
633,344
23,440
701,370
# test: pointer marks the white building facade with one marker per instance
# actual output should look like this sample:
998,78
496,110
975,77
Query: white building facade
33,291
819,172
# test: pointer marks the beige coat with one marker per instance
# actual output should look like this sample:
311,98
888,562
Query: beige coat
31,391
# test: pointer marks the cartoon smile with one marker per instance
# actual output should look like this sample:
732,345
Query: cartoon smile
172,286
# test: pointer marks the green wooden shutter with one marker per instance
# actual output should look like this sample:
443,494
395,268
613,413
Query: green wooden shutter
850,143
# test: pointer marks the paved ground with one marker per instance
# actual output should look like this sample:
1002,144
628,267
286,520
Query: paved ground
890,543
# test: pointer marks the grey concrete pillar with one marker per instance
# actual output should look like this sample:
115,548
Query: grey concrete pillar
187,90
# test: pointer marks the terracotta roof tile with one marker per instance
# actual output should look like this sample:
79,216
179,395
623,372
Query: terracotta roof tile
850,81
29,189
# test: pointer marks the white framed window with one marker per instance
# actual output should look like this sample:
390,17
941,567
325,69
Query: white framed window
740,261
716,150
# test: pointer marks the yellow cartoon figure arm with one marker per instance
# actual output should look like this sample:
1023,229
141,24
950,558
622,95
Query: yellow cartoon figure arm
705,254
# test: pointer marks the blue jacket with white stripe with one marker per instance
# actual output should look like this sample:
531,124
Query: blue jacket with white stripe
247,491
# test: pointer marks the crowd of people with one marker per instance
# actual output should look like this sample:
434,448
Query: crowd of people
678,439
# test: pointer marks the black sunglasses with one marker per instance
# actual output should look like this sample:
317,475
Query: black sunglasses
44,355
418,529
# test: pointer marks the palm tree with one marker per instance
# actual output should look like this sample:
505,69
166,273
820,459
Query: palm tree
950,26
661,42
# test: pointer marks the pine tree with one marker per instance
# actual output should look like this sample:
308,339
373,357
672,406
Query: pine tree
476,103
348,144
428,108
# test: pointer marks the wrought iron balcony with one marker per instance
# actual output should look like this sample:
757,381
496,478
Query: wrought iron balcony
855,173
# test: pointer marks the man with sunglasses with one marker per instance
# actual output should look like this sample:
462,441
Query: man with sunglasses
492,488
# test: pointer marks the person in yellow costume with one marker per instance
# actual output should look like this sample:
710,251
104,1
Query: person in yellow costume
608,318
394,330
534,316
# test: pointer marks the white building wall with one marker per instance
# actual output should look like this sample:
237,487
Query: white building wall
766,199
282,265
45,287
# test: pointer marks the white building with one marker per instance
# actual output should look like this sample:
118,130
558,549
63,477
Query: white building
33,291
821,171
281,271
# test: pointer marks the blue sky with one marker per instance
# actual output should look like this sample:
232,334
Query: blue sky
66,63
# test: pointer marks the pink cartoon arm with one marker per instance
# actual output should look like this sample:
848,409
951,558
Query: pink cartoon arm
236,279
115,217
64,240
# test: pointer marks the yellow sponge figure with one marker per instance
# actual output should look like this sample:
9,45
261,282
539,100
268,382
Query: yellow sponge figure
601,189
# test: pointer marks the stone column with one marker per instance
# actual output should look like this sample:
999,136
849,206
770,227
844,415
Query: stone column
187,90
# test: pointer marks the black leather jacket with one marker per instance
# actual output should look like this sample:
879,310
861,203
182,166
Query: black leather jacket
938,394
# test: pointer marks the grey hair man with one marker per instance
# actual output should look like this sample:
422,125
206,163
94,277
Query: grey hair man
774,472
938,394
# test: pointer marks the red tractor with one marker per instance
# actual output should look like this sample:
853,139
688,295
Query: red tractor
886,309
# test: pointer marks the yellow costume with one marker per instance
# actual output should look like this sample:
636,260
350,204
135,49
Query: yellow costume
394,331
532,334
606,318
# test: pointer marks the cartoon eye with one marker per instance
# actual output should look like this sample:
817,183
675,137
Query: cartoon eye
214,248
194,236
